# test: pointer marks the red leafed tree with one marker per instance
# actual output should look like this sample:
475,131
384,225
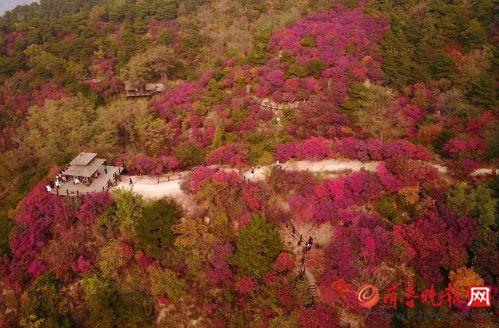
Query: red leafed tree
37,212
93,205
246,285
433,242
284,262
315,148
219,271
234,154
143,164
82,265
398,172
466,149
74,245
286,151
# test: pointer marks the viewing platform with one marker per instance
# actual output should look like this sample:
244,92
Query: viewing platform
85,174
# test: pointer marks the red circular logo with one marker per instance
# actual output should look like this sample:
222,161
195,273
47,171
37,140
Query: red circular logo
368,296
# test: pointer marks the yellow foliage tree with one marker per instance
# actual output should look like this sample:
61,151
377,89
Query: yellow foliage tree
464,278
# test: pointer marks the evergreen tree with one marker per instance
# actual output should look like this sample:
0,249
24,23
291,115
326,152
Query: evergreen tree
397,53
154,231
442,67
474,36
257,247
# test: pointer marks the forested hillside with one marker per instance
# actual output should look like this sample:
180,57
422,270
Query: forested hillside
248,83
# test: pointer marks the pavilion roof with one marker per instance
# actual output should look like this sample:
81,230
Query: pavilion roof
83,159
85,171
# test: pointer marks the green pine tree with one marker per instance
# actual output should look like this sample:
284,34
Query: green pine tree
257,247
154,232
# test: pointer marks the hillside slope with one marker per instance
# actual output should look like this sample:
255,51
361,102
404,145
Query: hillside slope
249,83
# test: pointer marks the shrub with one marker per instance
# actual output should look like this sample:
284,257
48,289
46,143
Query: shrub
190,155
466,149
108,306
166,283
246,285
153,231
316,67
286,151
234,154
315,148
388,208
45,302
433,242
296,70
143,164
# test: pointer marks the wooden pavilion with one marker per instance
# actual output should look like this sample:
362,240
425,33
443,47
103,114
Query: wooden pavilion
85,174
84,168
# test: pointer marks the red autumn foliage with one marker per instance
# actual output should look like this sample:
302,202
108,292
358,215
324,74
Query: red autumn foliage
234,154
224,192
219,271
143,164
374,150
436,241
93,206
318,316
36,213
466,149
284,262
328,197
82,265
246,285
397,172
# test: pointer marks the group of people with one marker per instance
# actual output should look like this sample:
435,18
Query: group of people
307,248
308,244
56,182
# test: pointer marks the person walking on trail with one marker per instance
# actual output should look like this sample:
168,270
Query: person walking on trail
309,243
131,182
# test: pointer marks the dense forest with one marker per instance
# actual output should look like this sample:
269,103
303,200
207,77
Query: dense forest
408,84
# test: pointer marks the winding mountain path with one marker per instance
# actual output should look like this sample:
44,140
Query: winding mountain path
150,187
